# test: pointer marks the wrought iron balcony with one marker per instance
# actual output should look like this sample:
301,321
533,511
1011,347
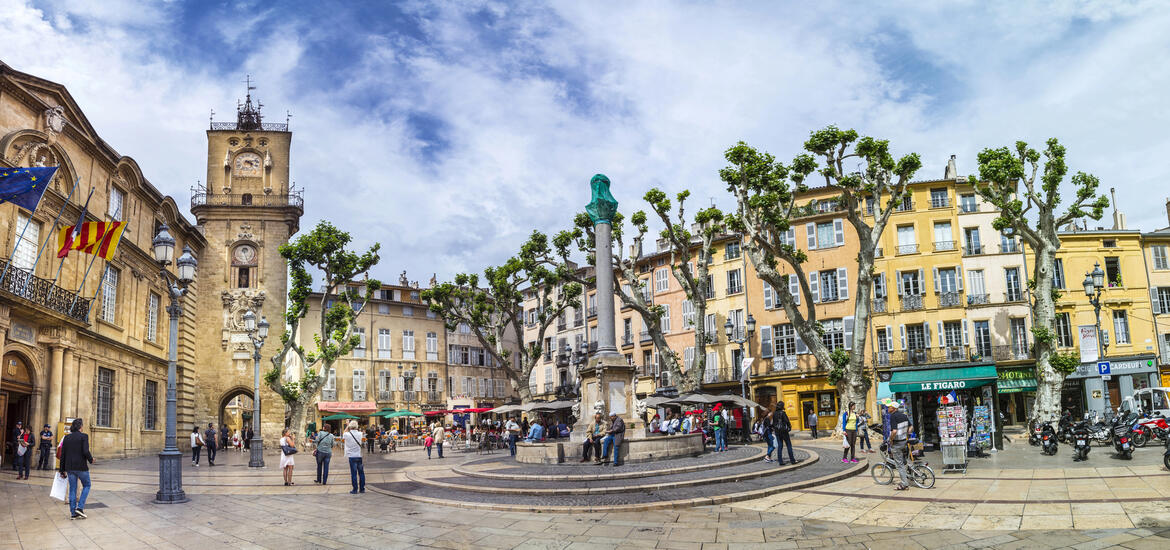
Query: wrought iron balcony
548,356
264,126
880,305
912,302
784,362
43,292
561,326
940,202
713,375
410,396
734,289
907,249
578,321
293,199
973,250
1009,247
950,299
627,339
548,387
328,395
928,356
563,359
711,337
967,208
978,299
881,358
644,336
385,396
944,246
1013,295
434,396
1013,352
359,395
906,206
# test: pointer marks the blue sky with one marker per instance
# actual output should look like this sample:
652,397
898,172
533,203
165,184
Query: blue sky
463,126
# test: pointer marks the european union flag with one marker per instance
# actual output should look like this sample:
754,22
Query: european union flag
24,186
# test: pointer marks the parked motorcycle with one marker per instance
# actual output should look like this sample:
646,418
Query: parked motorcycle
1101,432
1122,429
1034,434
1081,441
1048,443
1064,428
1153,427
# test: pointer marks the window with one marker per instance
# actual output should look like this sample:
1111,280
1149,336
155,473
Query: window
384,340
359,381
1113,271
834,334
910,283
117,197
1162,300
384,383
971,244
734,281
1019,335
105,396
1058,274
1121,326
828,286
331,380
1109,243
628,324
967,203
432,346
907,244
1008,244
939,198
826,237
661,282
732,252
952,335
109,294
982,338
150,405
710,287
1015,292
882,336
946,280
359,350
736,316
688,315
408,311
976,291
709,328
916,337
1063,331
152,318
467,387
408,344
29,235
384,309
1159,253
943,238
784,340
665,319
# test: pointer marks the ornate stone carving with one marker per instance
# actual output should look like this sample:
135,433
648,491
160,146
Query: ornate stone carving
577,409
245,232
599,407
55,120
640,408
237,301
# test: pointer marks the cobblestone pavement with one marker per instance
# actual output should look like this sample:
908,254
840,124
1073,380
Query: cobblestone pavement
232,507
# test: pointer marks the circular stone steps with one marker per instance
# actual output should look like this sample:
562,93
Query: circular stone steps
739,474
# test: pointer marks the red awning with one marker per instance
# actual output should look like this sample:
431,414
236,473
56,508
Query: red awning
347,406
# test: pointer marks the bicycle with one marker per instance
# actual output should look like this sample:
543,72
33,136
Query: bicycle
919,472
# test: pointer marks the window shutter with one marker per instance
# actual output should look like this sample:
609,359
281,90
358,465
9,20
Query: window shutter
898,282
879,285
401,384
839,231
921,282
936,286
965,332
959,277
794,288
926,332
417,383
813,283
849,333
889,337
842,283
941,340
790,237
767,295
765,341
801,349
1154,300
811,230
902,332
689,357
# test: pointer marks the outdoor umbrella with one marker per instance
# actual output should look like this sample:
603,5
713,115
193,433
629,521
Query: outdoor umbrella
505,409
397,414
340,416
739,401
656,401
695,399
553,406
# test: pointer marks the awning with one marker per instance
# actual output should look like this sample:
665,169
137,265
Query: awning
1017,380
347,406
959,378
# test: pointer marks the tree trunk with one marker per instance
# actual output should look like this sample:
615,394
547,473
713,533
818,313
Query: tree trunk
1049,381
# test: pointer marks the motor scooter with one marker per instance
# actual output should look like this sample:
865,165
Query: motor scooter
1081,441
1122,428
1048,443
1034,434
1064,428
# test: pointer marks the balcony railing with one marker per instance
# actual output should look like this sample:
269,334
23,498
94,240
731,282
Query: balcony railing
710,337
548,356
359,395
912,302
561,326
328,395
906,206
42,292
929,356
548,387
644,336
410,396
734,289
881,358
385,396
293,199
784,362
940,202
973,250
907,249
967,208
563,359
977,299
1013,296
944,246
578,321
950,299
592,311
1013,352
1009,247
627,339
263,126
879,305
713,375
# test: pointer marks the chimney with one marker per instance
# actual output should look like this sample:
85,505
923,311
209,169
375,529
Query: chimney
1118,217
1168,209
952,172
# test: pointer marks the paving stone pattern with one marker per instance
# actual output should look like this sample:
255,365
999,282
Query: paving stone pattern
505,464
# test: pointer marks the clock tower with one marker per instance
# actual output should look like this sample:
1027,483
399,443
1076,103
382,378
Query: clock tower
246,210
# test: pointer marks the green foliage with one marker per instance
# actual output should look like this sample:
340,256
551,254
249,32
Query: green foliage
1066,363
1043,334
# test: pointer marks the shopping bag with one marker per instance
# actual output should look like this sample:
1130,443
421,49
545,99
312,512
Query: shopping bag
60,490
844,443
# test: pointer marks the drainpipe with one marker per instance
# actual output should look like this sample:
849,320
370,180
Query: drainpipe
1157,333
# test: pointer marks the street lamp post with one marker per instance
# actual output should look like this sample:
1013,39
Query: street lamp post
729,331
170,464
258,333
1094,284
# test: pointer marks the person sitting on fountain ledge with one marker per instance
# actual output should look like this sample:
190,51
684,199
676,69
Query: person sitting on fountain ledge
613,440
591,447
535,432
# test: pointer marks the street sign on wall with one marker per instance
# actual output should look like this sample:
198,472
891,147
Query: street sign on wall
1089,348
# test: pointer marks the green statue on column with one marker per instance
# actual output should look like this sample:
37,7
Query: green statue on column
603,206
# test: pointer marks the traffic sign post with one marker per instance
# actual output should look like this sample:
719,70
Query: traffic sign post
1103,367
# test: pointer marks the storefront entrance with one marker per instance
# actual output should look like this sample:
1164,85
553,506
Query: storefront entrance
972,388
15,399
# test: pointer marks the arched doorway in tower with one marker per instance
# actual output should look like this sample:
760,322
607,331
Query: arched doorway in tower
16,386
235,412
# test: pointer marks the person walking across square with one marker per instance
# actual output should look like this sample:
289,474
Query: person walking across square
781,426
513,430
812,423
848,422
209,440
75,462
439,433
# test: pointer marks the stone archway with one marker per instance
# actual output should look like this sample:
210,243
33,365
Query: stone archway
16,397
235,409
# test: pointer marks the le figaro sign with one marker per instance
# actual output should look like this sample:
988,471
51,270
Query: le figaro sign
946,385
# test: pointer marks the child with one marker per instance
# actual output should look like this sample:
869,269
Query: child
427,443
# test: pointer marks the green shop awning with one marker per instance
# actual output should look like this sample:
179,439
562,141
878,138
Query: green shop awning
1017,380
959,378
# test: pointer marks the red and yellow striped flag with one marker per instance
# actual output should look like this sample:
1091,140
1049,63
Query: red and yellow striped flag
100,238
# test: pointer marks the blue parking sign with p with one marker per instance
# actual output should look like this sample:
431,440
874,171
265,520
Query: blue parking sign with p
1103,367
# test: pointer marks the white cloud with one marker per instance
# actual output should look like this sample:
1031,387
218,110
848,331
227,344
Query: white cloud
649,93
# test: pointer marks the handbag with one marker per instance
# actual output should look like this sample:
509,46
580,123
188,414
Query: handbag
60,489
288,450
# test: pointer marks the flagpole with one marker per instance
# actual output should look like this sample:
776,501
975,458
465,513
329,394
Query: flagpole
75,230
81,288
52,231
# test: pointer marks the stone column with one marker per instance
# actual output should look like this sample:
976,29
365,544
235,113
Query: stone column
69,389
59,357
603,267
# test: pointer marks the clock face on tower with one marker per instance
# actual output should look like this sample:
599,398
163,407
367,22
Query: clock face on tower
247,165
245,255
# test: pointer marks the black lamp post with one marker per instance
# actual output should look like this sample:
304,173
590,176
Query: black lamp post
258,333
729,331
1094,284
170,464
